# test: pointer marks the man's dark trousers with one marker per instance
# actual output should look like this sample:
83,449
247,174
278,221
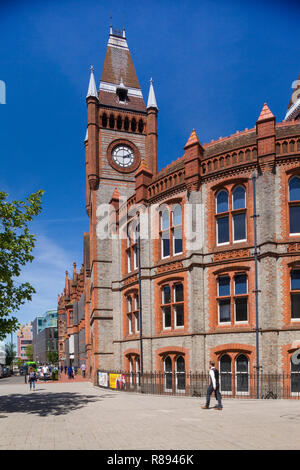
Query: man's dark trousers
210,390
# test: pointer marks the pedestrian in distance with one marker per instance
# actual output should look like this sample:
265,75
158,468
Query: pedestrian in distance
83,368
66,369
214,386
32,378
70,372
45,371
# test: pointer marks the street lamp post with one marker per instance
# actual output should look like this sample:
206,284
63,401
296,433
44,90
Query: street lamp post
254,216
140,297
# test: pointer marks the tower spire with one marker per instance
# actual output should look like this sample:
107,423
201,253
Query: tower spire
92,90
151,98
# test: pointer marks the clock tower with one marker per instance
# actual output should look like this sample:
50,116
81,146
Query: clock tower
121,132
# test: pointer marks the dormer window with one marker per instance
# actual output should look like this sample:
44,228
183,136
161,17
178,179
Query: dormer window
122,92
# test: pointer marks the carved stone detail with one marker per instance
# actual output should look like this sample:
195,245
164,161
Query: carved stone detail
235,254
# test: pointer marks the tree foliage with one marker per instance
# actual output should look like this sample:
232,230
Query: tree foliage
29,352
10,353
52,356
16,245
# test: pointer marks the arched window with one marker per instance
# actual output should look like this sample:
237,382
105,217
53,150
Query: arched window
294,205
180,373
133,125
126,123
242,374
222,220
130,372
231,213
132,312
168,373
177,229
111,121
295,378
104,120
165,233
119,122
171,231
225,374
141,126
132,246
295,294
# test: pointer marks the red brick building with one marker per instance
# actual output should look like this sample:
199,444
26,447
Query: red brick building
196,286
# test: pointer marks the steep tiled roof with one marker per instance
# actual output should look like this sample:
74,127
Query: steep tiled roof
132,103
118,69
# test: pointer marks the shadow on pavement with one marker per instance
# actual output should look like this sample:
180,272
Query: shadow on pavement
46,404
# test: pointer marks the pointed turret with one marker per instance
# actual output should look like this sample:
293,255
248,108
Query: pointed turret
151,97
193,153
151,140
92,90
265,114
91,145
119,74
265,138
293,111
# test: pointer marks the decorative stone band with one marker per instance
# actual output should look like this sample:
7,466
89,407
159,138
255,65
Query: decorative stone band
169,267
235,254
292,247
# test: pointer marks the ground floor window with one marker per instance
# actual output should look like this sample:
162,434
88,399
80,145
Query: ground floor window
295,378
234,374
174,374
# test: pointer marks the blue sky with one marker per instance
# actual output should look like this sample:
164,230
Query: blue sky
214,63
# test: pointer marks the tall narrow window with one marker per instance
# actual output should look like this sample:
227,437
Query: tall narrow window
165,233
177,229
168,373
233,298
240,300
136,314
224,300
295,378
242,376
129,314
180,374
295,294
225,374
239,214
222,218
166,308
294,205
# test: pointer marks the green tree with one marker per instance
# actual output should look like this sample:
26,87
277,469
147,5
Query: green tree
52,356
10,353
20,362
16,245
29,352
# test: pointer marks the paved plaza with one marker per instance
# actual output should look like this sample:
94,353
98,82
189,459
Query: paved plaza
78,415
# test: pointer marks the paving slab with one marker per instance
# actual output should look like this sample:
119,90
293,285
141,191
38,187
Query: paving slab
81,416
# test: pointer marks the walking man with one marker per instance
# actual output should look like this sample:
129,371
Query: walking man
213,387
45,372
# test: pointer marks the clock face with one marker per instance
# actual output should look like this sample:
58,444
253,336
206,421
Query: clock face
123,156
